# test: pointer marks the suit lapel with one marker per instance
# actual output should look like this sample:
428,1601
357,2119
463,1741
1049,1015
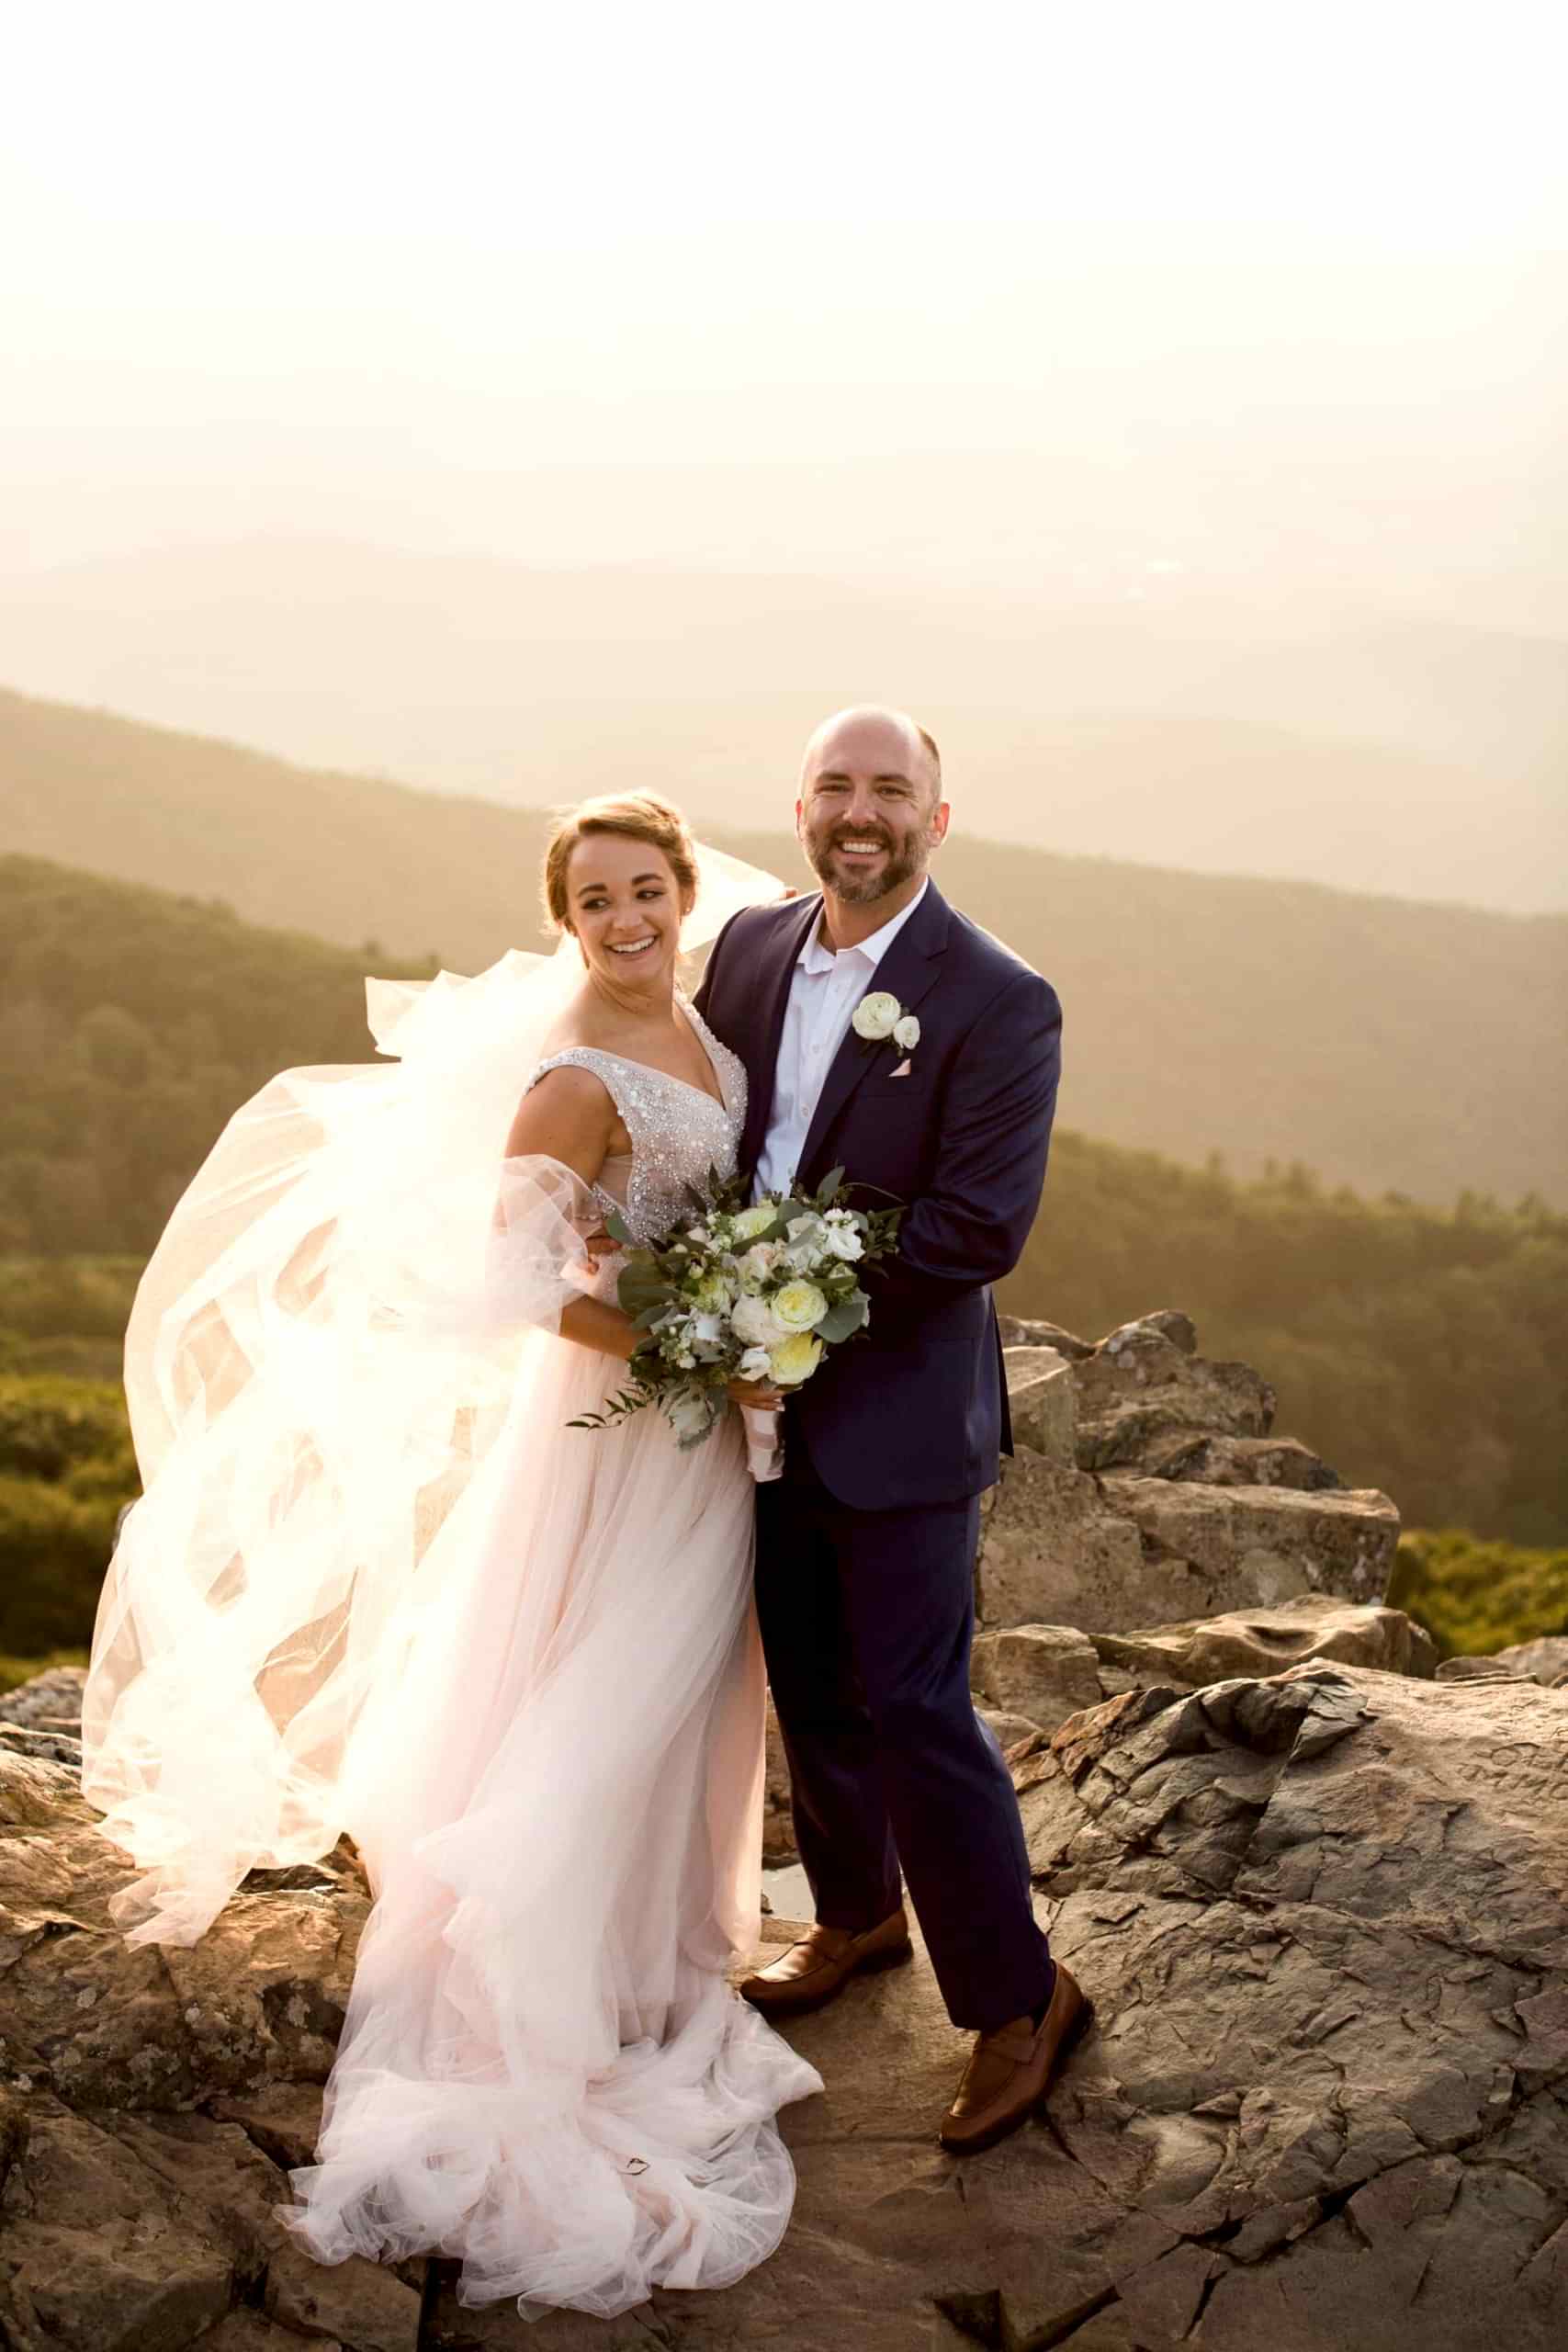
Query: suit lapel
908,971
776,969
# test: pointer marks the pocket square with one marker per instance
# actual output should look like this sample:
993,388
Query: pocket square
903,1068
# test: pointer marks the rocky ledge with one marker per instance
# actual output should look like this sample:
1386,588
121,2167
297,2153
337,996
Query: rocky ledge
1148,1488
1323,1916
1316,1884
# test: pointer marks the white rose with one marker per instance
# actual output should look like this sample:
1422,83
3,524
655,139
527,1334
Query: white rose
907,1034
794,1359
753,1322
798,1305
876,1016
749,1223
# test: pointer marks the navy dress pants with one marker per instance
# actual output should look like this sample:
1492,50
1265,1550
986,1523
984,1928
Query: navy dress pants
866,1620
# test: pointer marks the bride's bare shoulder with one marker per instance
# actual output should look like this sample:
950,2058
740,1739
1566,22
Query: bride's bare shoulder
567,1112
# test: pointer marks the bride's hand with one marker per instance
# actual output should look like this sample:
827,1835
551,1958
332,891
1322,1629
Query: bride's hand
758,1395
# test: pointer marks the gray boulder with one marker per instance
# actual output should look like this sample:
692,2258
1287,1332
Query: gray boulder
1042,1403
1051,1551
1544,1660
1252,1544
1140,1385
1060,1547
1044,1673
1212,1459
1265,1641
1032,1331
48,1702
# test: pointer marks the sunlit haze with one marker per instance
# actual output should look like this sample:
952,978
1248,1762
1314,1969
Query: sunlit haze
1213,332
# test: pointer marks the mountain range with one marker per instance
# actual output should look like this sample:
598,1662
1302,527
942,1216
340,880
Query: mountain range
1388,1043
1229,724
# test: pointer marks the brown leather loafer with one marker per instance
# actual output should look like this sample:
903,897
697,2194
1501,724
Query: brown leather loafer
822,1962
1011,2070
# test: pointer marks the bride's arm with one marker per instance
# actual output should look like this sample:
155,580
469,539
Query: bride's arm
568,1117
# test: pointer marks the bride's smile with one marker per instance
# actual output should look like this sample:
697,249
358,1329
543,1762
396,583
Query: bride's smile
626,916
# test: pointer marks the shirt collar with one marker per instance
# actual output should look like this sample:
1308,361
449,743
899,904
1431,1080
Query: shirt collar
814,957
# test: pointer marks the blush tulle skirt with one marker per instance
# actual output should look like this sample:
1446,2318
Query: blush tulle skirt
544,2072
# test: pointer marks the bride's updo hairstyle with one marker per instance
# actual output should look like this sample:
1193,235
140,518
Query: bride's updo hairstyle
637,817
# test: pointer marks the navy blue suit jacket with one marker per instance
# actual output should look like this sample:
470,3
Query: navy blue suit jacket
913,1410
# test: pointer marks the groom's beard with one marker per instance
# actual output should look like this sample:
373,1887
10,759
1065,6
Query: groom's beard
864,890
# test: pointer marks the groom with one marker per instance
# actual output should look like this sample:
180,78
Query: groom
866,1547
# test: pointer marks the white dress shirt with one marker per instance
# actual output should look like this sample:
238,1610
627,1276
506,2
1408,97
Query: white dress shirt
824,989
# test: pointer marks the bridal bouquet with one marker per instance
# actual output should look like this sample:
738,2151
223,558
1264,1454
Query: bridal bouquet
754,1293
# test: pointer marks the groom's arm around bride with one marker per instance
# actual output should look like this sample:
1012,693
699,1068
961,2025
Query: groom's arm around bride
883,1030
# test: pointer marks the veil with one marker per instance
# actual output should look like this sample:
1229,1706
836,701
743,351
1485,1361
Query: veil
318,1361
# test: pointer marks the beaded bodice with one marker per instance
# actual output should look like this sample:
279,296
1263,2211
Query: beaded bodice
678,1131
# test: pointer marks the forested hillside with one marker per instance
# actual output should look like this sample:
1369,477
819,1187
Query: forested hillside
132,1023
1422,1351
1383,1042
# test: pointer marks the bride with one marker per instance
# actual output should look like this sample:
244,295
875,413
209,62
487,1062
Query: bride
376,1584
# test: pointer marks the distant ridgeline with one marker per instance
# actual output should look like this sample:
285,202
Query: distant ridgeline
1382,1041
1423,1351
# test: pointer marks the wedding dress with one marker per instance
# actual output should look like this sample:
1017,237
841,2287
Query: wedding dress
378,1584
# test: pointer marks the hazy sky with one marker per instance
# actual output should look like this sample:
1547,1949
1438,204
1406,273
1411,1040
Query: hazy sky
386,270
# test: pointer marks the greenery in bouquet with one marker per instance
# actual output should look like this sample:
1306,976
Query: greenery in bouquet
755,1292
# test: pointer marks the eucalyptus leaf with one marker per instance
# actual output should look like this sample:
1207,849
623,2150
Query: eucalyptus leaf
843,1317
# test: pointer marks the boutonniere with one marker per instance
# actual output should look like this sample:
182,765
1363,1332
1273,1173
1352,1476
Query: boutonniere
880,1019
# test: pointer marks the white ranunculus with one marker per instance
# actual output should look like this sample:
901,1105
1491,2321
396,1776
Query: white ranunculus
799,1305
907,1034
753,1322
876,1015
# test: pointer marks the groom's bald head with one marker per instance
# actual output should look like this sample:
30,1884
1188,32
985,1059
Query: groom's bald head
869,730
870,810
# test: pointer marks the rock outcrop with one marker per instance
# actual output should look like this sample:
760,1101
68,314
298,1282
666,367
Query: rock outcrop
1046,1673
1148,1488
150,2098
1323,1917
1323,1912
1544,1660
1263,1641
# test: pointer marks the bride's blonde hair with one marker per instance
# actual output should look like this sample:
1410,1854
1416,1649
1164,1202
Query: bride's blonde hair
638,816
